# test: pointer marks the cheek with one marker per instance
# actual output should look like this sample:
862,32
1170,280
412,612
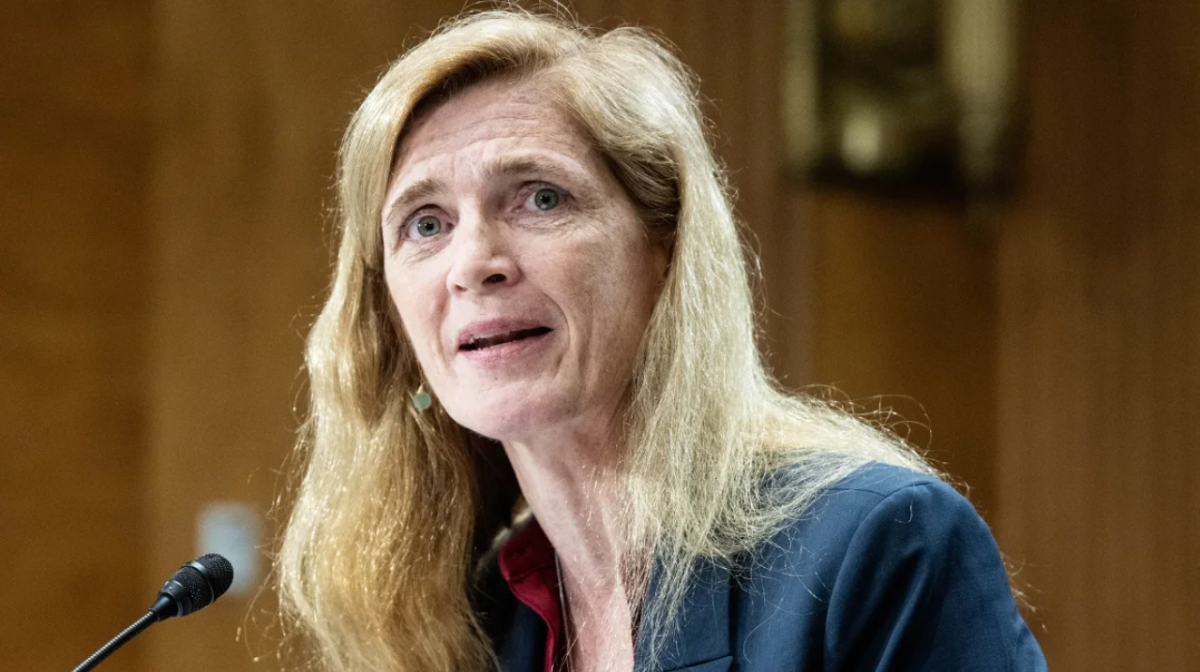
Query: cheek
416,308
612,287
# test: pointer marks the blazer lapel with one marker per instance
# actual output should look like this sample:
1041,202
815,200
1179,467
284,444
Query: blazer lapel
700,642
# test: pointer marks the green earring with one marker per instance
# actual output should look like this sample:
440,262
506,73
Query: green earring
422,399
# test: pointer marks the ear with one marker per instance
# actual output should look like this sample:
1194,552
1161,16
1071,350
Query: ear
666,249
662,252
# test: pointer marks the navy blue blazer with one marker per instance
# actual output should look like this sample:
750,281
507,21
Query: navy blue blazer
888,571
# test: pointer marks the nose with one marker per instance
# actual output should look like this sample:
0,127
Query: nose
482,259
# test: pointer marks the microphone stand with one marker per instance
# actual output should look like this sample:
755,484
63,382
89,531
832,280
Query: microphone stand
196,585
117,642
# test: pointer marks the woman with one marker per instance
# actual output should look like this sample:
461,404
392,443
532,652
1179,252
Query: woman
541,302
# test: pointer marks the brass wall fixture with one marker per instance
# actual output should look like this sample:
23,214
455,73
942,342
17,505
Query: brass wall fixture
909,93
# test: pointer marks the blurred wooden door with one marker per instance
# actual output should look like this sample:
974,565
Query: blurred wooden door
75,145
1099,334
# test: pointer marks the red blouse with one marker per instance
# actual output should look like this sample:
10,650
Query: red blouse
527,564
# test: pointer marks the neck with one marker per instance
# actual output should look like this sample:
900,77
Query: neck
570,482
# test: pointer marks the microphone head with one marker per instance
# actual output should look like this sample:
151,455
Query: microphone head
196,585
216,569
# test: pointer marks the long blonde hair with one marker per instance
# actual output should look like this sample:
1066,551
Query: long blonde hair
395,506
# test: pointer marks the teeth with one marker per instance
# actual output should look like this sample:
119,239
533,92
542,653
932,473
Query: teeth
477,342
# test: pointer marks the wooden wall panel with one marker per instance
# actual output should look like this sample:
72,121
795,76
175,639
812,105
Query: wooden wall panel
253,98
1099,333
903,320
74,148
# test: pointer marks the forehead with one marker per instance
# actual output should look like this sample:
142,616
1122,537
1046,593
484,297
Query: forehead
487,120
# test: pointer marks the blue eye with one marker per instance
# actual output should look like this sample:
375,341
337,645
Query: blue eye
424,226
545,198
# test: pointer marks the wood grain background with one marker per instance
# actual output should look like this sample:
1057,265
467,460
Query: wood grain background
1099,340
165,179
75,147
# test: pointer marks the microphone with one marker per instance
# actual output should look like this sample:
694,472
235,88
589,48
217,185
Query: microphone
195,586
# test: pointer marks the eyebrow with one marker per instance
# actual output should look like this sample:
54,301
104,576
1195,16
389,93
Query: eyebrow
420,190
505,166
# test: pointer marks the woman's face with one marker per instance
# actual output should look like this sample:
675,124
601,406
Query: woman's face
519,266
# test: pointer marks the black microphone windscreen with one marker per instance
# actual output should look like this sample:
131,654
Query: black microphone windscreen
196,585
219,570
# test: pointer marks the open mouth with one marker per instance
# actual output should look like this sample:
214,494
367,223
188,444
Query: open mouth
479,343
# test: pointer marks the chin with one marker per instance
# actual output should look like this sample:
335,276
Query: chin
506,420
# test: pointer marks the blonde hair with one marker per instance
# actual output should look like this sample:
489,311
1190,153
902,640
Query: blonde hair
395,506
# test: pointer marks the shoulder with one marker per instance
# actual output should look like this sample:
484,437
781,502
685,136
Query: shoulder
886,526
887,564
877,502
878,484
880,520
887,503
878,510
